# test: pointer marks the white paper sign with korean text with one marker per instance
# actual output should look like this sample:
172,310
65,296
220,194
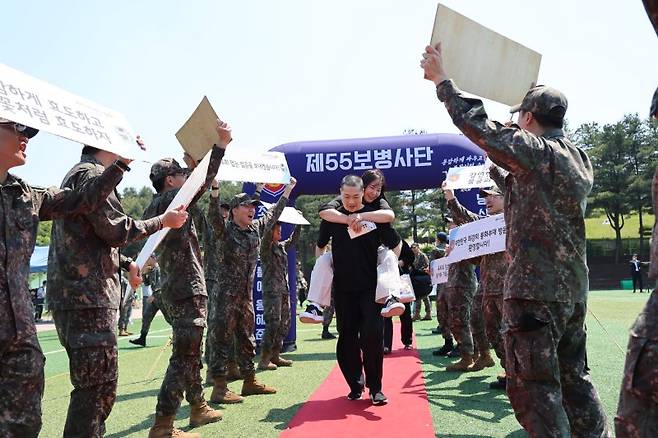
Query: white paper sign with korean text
484,62
249,166
184,196
478,238
468,177
364,228
289,215
439,270
38,104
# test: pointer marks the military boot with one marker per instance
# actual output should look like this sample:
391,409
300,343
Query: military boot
221,393
281,362
464,363
201,414
233,372
164,428
265,364
251,386
484,360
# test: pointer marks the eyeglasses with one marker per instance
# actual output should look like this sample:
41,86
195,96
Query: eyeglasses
16,127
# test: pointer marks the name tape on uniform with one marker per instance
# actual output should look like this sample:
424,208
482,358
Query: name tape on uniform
247,166
478,238
184,196
38,104
469,177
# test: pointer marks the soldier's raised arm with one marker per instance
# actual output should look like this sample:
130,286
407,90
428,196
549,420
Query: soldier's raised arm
294,237
272,215
460,214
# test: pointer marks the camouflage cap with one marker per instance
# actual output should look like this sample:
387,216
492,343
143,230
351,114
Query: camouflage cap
242,199
543,100
165,167
21,129
495,191
654,105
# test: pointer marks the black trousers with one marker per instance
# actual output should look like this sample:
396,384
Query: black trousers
360,338
637,280
406,328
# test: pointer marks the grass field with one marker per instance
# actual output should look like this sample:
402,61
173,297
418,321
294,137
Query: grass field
596,228
461,405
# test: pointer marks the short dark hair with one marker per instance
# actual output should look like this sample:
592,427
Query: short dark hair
548,121
352,181
89,150
158,184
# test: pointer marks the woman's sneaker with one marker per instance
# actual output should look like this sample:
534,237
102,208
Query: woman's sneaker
392,308
312,315
378,399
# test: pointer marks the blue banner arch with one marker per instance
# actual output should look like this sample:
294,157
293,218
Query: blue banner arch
409,162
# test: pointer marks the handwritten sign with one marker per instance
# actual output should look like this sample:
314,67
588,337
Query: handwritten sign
250,166
475,239
439,270
38,104
468,177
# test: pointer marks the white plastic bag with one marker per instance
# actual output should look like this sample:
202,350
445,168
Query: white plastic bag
407,294
322,277
388,275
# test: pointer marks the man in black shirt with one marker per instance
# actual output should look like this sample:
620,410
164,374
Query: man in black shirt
360,324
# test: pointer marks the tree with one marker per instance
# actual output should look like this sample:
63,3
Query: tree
623,158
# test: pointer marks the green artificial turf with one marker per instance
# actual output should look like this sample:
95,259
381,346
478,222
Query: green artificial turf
461,405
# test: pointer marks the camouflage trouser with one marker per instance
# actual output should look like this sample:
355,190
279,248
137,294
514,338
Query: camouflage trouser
89,337
21,388
234,319
480,341
492,307
419,303
210,351
277,321
188,319
442,313
637,414
459,306
548,382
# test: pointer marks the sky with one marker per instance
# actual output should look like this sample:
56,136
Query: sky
295,70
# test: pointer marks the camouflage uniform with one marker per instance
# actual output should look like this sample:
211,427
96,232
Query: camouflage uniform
637,413
234,306
545,295
488,302
126,307
83,285
459,291
421,263
183,296
276,295
21,360
301,287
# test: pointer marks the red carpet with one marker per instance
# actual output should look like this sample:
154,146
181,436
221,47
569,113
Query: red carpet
328,413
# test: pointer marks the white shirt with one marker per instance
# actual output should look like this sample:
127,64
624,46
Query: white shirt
41,293
146,291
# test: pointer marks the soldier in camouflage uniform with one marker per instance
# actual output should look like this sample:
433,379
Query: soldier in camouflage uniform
239,240
302,285
21,208
212,261
637,413
545,294
459,291
184,296
422,264
83,286
276,295
488,301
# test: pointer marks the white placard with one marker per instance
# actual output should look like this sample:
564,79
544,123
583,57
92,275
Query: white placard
249,166
478,238
469,177
364,228
289,215
184,196
38,104
482,61
439,270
